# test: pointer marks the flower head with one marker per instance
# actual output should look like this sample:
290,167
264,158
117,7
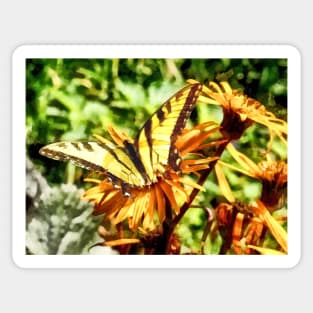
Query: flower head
141,205
149,206
272,174
240,111
243,227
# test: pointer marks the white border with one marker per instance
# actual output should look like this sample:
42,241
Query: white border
155,51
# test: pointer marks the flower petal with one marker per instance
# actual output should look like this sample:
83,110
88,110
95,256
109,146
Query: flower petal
266,251
243,160
223,183
148,221
275,228
160,201
170,195
123,241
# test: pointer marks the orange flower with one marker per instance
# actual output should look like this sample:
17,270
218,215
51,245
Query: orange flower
142,203
145,204
243,226
240,112
238,227
275,228
272,174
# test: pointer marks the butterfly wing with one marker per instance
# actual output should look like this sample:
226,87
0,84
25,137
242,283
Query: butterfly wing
97,156
155,142
135,164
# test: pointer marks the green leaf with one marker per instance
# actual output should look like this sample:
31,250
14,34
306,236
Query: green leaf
134,94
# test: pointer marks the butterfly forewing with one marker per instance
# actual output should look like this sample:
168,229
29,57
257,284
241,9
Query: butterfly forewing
97,157
156,140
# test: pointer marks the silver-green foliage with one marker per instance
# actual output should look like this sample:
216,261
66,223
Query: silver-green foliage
63,223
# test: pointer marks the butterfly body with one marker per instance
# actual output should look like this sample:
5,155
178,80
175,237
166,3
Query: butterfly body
139,163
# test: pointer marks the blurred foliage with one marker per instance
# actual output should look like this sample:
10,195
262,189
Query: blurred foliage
72,99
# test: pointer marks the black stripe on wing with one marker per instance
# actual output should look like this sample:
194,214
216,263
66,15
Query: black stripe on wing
60,156
181,121
188,95
113,153
133,155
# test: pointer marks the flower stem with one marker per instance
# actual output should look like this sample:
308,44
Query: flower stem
192,196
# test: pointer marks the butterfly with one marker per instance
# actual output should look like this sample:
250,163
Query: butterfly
138,163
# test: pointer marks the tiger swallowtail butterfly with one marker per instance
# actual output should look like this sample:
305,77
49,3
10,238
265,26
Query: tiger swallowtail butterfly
140,163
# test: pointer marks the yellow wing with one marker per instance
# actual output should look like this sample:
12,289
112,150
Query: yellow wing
139,163
155,142
97,156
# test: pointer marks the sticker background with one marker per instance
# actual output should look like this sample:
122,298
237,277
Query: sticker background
186,290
